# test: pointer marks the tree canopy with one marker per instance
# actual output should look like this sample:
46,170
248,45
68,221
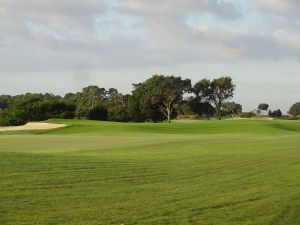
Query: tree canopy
216,92
156,99
263,106
162,93
295,109
231,108
276,113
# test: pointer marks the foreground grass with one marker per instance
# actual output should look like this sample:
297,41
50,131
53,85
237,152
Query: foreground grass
206,172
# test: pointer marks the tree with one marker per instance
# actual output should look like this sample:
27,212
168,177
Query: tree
201,108
276,113
231,108
88,99
215,92
52,108
117,107
295,109
136,110
185,109
164,93
262,107
73,98
4,101
111,92
98,112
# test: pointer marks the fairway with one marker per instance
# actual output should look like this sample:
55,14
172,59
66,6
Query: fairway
242,172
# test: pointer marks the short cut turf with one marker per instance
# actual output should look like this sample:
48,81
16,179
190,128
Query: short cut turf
194,172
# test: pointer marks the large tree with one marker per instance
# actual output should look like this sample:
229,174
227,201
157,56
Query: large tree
215,92
117,107
161,93
295,109
90,97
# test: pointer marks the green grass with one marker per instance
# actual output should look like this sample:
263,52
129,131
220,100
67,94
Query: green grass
193,172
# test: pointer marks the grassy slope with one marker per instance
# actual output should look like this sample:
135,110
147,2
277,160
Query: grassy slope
206,172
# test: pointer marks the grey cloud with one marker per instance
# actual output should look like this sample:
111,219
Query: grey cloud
63,8
173,8
286,8
57,35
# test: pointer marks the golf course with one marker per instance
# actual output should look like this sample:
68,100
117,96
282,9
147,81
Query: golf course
229,172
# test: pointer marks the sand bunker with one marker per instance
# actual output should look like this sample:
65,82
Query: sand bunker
33,126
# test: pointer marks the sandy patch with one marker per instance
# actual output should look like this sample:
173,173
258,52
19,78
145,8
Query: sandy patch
33,126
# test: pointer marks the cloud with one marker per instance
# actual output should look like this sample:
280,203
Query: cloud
288,39
284,8
60,35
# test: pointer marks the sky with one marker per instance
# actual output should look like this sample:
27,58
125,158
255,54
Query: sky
60,46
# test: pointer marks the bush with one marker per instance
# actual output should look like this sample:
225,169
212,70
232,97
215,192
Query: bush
276,113
99,112
286,117
12,117
187,117
185,109
247,115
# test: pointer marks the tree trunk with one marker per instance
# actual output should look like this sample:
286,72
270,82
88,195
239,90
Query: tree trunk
169,116
218,111
218,114
167,111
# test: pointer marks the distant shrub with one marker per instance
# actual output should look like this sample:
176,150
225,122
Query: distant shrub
247,114
276,113
187,117
286,117
185,109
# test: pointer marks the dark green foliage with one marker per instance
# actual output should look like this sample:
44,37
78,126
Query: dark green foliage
4,101
215,92
142,107
111,92
295,109
117,107
98,112
157,97
88,99
72,98
247,115
203,109
35,107
263,106
185,109
12,117
135,110
231,108
276,113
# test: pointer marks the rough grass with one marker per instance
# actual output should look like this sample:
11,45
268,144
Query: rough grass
200,172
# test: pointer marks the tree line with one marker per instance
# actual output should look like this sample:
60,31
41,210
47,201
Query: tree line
159,98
